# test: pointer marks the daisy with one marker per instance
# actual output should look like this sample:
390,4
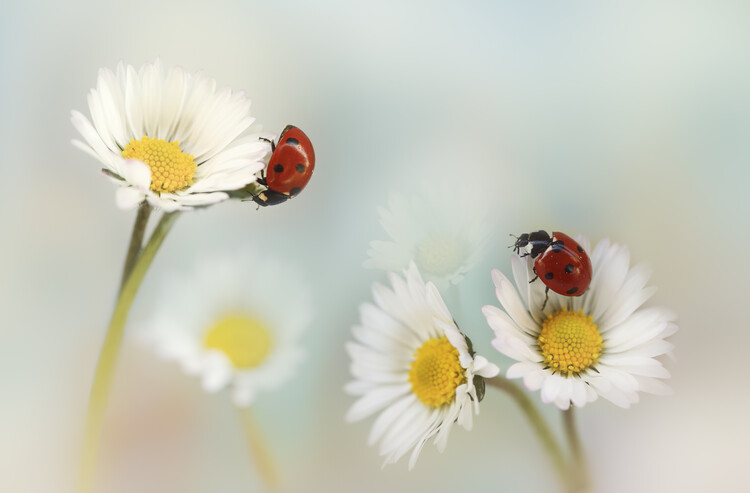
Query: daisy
602,343
169,137
234,322
411,362
444,232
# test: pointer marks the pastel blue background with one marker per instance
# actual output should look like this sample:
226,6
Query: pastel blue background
626,120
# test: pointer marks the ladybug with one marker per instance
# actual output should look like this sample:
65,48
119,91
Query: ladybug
560,262
289,169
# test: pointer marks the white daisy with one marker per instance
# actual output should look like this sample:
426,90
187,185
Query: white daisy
235,321
602,343
443,231
170,138
411,362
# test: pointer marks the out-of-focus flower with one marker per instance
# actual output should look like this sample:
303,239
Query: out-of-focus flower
602,343
443,231
412,363
235,321
169,138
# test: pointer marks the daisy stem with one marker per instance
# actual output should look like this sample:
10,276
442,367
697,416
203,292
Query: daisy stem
537,422
259,449
105,367
136,240
579,471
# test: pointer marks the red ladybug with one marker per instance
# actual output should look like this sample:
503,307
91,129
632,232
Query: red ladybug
290,168
560,262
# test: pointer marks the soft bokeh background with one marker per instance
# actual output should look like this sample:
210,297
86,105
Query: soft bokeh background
628,120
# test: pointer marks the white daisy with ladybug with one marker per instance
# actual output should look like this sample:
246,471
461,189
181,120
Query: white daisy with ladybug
170,137
413,367
577,327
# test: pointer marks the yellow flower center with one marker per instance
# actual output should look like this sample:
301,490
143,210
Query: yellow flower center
570,342
171,169
245,340
439,254
436,372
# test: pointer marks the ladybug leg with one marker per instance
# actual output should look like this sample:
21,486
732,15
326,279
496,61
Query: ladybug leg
546,298
536,276
273,144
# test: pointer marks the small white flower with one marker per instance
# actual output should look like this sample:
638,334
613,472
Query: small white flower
169,138
443,231
235,321
602,343
411,362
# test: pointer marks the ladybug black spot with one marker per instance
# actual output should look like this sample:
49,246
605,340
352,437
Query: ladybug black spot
292,141
549,275
300,168
278,168
294,191
569,268
580,249
571,290
557,247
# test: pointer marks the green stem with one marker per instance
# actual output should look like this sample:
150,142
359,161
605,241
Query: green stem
259,450
136,240
579,470
108,357
537,422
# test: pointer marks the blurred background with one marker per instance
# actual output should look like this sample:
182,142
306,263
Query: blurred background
627,121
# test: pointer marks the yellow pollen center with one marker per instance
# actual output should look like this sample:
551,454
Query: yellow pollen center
171,169
439,254
570,342
243,339
436,372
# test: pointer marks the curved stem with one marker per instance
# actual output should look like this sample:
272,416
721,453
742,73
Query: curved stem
579,470
105,367
259,450
136,240
543,431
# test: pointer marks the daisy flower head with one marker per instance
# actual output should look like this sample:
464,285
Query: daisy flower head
443,231
575,349
235,322
412,363
169,136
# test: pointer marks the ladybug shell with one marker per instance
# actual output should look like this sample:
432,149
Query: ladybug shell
564,267
292,163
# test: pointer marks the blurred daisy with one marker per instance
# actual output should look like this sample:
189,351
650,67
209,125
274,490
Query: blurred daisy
444,232
169,137
235,322
411,362
602,343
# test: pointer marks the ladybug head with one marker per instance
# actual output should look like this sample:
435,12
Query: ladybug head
521,242
539,241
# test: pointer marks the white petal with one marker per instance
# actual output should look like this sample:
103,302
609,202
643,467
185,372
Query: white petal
137,173
551,388
128,198
375,400
509,298
217,373
388,416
